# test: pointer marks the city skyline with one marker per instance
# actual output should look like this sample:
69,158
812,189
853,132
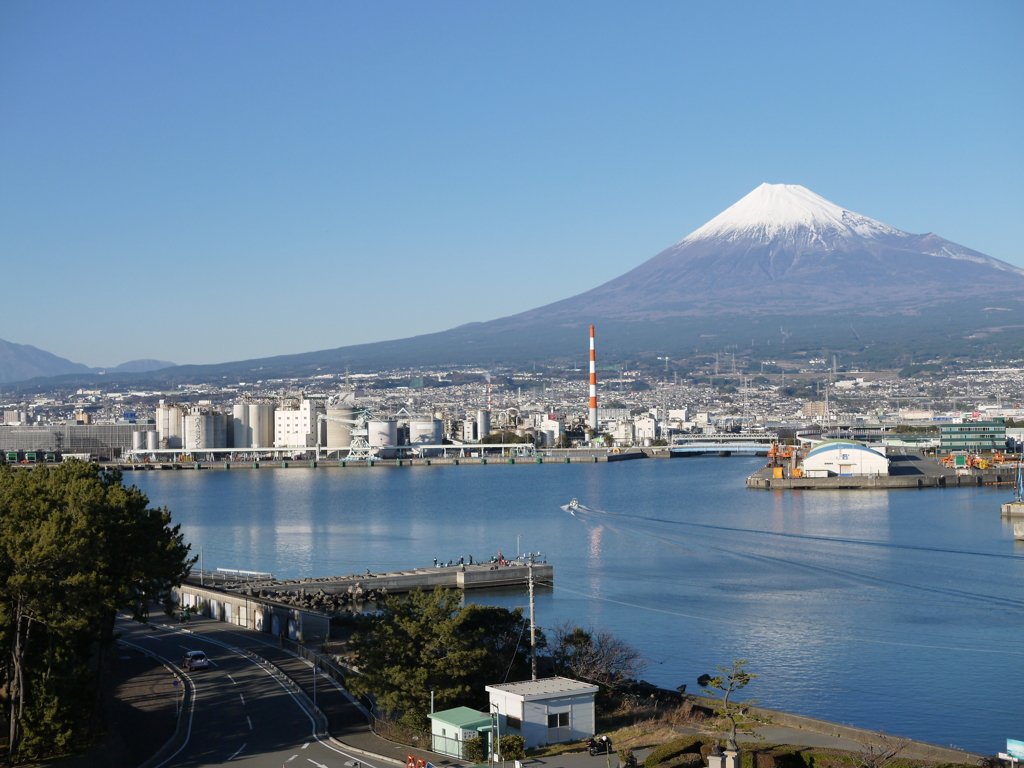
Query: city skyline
212,184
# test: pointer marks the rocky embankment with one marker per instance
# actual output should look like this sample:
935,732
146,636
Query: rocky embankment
351,600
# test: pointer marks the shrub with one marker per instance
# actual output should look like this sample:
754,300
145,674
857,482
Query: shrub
473,750
673,749
685,760
512,747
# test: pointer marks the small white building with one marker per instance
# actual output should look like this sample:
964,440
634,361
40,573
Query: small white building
548,711
645,428
623,432
452,728
845,458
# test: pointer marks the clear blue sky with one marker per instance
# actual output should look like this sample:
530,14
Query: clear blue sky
203,182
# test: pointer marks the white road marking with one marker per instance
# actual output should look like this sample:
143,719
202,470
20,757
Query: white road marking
183,646
249,721
191,708
242,698
232,680
213,662
314,762
262,666
291,758
236,753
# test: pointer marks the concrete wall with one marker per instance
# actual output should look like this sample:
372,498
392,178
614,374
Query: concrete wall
254,613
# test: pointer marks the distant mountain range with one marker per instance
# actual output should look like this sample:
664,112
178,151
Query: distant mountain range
781,273
19,362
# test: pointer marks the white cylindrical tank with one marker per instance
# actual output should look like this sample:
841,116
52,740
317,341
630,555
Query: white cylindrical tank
170,424
241,431
261,422
483,424
152,440
138,440
339,435
205,430
383,432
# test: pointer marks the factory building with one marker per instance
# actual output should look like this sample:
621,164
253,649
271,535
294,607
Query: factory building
973,436
645,428
844,458
101,441
298,427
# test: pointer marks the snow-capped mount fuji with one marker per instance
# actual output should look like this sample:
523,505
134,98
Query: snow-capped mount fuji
792,214
782,248
788,215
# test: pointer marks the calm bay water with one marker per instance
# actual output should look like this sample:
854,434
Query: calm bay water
896,610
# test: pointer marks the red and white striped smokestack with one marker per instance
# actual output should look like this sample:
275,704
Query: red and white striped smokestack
593,384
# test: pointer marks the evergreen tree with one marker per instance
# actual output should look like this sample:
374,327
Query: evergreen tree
426,642
76,546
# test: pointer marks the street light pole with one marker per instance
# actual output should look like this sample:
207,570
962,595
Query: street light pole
533,627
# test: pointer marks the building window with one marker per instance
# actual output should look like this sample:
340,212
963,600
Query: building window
558,720
515,722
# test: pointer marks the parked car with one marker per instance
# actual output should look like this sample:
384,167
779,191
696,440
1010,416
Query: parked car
195,660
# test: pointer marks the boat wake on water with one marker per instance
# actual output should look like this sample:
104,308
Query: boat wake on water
828,559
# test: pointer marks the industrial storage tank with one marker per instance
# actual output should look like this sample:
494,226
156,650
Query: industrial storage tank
339,435
152,440
170,424
383,433
483,424
138,440
261,422
241,436
205,430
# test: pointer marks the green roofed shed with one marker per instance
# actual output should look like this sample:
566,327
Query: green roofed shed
451,728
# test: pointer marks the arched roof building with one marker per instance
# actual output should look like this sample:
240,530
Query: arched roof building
845,458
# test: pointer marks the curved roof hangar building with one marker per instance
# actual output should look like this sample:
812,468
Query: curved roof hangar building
844,458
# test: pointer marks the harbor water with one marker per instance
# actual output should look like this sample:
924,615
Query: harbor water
893,610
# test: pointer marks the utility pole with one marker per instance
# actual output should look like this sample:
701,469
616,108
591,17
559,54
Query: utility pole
533,626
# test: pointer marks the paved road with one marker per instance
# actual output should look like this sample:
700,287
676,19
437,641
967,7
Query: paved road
240,712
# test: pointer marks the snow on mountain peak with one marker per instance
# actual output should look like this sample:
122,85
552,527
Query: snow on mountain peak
789,211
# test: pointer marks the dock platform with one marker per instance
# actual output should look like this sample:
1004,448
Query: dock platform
906,471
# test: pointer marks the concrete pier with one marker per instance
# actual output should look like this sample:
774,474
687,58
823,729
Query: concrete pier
477,576
1013,509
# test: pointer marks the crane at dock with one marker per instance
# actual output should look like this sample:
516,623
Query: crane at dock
358,427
